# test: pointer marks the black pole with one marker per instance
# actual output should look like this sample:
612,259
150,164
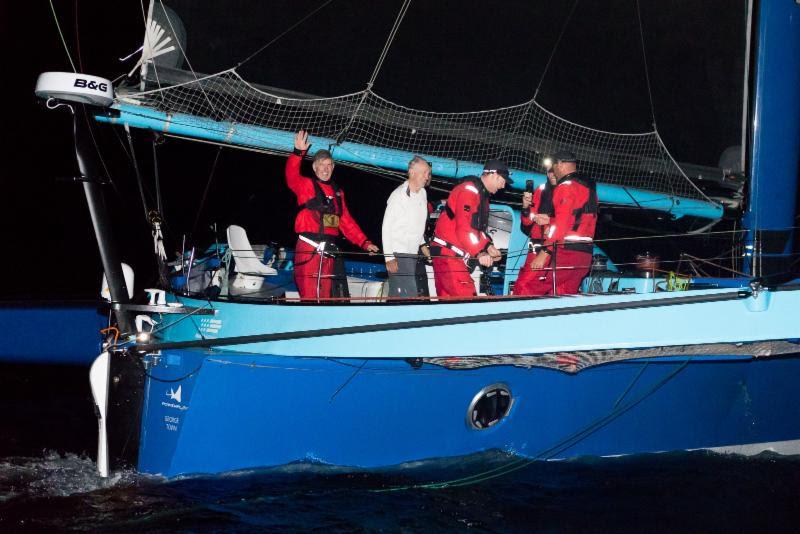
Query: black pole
85,154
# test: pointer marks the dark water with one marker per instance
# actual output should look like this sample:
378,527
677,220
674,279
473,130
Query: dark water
48,482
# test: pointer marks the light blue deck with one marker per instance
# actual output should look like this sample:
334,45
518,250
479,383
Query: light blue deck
574,324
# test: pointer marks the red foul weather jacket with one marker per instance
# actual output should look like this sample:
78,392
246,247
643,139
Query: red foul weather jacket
575,219
542,202
464,220
312,195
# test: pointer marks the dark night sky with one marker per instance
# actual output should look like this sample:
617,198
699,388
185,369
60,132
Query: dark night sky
448,56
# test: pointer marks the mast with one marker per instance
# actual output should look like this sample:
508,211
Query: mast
92,188
773,122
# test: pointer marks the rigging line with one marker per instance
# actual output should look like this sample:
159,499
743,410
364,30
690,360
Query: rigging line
639,206
555,48
646,70
99,154
127,155
400,15
650,95
159,204
609,239
205,191
701,260
699,231
632,383
118,78
192,316
77,37
392,34
189,63
61,34
669,155
350,379
185,316
292,27
136,170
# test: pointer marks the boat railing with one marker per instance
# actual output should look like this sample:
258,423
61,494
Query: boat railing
367,276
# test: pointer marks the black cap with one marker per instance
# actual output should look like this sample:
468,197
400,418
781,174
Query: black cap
563,156
500,167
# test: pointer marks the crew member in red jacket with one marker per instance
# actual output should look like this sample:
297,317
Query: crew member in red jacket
537,208
570,234
460,233
322,218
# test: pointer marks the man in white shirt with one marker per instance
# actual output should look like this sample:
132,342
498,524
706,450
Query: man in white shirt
404,232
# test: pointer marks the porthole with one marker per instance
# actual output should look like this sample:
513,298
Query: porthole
489,406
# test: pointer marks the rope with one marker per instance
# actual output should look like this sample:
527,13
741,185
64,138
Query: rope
88,124
77,38
61,34
205,191
292,27
173,323
97,150
690,257
188,63
66,49
349,379
159,204
555,47
385,51
669,155
646,70
341,135
136,170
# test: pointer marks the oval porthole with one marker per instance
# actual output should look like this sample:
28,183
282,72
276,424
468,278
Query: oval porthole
489,406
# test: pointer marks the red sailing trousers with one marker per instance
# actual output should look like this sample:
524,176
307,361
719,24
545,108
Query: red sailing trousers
452,277
572,267
307,271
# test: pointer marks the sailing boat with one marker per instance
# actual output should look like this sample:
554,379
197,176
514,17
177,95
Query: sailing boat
214,382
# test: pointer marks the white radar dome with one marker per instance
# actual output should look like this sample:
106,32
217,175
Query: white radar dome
75,87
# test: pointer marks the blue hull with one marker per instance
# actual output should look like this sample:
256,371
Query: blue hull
381,385
212,412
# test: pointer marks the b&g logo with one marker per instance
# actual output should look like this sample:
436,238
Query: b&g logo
85,84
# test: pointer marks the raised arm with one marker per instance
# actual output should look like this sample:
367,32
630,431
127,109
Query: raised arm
293,177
